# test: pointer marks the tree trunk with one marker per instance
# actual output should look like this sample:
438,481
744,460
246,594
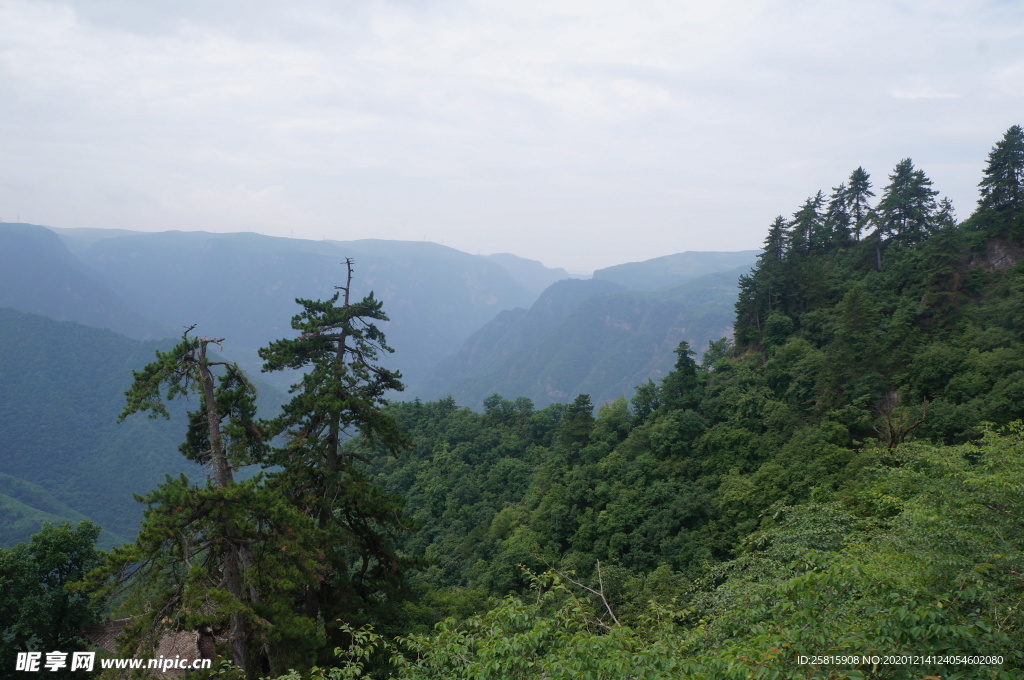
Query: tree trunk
240,640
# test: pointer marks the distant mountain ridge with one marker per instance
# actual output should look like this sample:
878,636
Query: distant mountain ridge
243,286
587,337
668,271
40,275
531,274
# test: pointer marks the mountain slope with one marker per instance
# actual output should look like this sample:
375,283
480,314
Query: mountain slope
531,274
243,286
38,274
25,506
671,270
588,337
61,387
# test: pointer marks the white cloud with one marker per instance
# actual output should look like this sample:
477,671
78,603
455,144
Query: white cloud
580,133
921,88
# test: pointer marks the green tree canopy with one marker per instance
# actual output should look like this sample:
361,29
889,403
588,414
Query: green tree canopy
341,393
38,610
192,564
1002,187
907,208
857,199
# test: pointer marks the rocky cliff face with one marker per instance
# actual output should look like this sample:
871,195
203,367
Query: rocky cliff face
1000,255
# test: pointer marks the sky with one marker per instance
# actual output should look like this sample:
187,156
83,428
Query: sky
581,133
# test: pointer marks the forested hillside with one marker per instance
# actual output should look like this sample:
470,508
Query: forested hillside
63,453
834,494
770,497
38,274
833,352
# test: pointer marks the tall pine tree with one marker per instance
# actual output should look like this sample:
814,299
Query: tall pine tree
1002,187
907,209
837,217
760,290
858,204
205,553
341,394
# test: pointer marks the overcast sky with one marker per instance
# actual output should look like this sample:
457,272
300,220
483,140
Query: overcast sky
580,133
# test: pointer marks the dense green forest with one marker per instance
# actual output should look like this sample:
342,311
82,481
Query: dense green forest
834,494
847,345
60,441
59,435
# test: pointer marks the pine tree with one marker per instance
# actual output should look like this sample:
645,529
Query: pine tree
577,424
1002,187
749,306
837,216
194,564
946,216
759,291
803,271
771,261
907,209
857,204
341,394
806,230
681,388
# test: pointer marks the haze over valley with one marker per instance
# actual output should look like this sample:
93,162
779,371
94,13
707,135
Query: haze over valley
106,298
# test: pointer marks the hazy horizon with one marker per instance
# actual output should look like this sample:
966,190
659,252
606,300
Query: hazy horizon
578,134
